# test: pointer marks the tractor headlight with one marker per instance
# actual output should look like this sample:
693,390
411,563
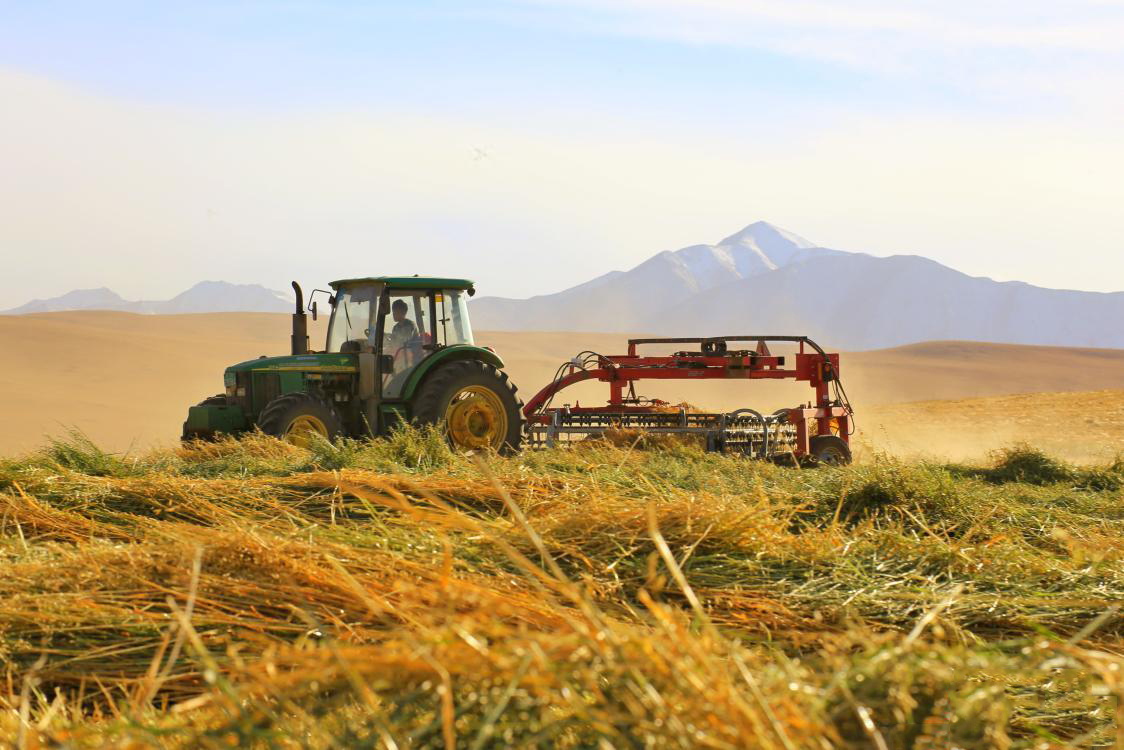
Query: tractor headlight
230,391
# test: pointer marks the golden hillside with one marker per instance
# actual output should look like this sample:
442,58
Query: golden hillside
126,380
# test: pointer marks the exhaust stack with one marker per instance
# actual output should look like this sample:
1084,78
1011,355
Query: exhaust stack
300,323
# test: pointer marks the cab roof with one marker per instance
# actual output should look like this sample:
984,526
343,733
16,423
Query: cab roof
408,282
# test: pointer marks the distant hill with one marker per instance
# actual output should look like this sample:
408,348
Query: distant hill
767,280
206,296
137,374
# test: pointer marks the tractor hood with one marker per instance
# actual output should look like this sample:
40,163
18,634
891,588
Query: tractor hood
337,362
323,362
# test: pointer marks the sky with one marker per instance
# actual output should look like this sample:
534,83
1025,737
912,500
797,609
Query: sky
534,144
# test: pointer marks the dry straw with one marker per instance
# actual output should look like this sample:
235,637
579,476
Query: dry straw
392,594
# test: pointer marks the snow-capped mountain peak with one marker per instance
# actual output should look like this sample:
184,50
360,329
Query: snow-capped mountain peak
759,279
764,247
758,248
767,236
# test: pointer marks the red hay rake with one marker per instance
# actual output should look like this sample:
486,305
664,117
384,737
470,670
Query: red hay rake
818,430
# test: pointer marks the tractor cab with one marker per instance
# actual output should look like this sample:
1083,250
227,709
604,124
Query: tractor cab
399,349
402,320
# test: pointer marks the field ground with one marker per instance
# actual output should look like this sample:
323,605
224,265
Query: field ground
126,381
392,594
1083,426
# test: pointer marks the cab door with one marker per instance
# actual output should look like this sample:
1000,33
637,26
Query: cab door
407,336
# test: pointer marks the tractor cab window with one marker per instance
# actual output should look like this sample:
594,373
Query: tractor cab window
417,323
452,318
407,337
354,317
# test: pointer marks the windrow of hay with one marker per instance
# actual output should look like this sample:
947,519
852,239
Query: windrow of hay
393,594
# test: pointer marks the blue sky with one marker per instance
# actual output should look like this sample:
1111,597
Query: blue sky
497,60
495,138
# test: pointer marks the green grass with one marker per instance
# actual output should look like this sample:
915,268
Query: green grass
393,593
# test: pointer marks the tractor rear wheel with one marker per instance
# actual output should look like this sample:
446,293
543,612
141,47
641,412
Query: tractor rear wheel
476,403
829,449
294,417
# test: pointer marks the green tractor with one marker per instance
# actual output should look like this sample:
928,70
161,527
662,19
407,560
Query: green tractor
399,350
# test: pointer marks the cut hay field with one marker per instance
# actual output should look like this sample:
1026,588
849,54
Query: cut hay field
1085,426
394,595
126,380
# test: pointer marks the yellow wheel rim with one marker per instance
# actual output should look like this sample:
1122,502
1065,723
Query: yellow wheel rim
299,432
476,419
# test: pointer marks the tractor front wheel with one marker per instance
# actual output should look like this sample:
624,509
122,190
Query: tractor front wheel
187,436
477,405
294,418
829,449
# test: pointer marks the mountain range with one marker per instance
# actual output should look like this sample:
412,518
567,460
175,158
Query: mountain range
765,280
206,296
761,280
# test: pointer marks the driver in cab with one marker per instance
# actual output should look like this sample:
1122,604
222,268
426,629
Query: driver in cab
403,335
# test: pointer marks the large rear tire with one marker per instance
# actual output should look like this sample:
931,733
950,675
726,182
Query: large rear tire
829,449
476,403
294,417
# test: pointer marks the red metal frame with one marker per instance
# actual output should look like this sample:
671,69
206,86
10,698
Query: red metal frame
817,367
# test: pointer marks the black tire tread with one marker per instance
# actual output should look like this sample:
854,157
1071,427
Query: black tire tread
818,440
269,420
428,406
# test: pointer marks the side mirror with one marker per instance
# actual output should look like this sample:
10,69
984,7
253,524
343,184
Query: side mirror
312,307
386,363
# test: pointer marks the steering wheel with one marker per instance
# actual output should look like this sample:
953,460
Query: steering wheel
400,353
